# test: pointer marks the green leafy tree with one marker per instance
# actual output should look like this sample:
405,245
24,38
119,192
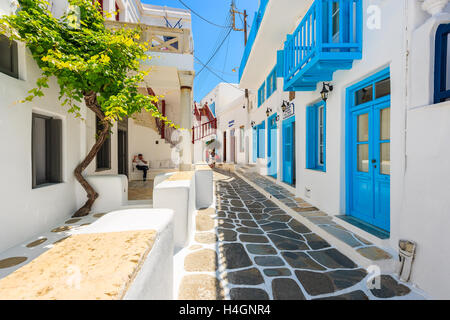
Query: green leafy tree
92,64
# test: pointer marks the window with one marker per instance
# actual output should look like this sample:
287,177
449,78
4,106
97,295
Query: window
373,91
272,82
261,94
46,150
335,18
442,65
261,140
8,57
316,136
241,139
104,154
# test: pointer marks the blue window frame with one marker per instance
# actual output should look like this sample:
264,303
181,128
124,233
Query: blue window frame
261,140
272,82
261,94
442,65
316,116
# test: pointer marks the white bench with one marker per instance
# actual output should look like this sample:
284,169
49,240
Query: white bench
126,254
177,192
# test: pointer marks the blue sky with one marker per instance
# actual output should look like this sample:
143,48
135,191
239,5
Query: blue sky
207,37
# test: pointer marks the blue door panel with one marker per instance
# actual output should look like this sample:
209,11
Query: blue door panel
288,150
368,185
272,146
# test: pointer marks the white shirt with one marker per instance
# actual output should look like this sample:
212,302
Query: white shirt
139,162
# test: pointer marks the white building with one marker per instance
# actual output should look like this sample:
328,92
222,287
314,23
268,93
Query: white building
229,105
34,197
375,152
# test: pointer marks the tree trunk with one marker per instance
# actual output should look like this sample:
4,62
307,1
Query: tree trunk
91,102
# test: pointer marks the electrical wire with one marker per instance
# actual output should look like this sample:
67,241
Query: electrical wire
215,52
218,76
198,15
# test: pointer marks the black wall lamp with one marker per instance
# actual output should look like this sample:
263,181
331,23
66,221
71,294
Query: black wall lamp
278,118
252,124
324,93
268,112
285,105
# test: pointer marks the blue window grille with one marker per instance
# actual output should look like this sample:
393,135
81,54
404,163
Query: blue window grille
316,136
261,140
442,65
272,82
261,94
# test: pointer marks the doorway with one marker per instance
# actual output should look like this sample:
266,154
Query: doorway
368,151
122,147
224,146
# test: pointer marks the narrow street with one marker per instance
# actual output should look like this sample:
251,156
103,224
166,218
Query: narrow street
249,249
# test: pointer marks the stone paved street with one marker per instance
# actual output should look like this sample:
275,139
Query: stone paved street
249,248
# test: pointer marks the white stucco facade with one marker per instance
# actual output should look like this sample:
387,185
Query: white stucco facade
404,42
27,211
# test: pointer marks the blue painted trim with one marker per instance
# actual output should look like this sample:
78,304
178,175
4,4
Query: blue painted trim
257,20
441,93
312,137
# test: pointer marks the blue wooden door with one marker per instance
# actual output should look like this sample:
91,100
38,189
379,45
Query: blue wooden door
272,146
370,165
288,152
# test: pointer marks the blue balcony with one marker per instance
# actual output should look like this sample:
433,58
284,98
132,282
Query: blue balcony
329,38
252,36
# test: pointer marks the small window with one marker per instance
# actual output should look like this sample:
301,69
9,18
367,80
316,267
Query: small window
442,65
261,94
272,82
46,150
316,136
364,95
104,154
241,139
8,57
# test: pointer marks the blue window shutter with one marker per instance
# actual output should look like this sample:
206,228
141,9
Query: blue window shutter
263,142
440,65
280,63
310,137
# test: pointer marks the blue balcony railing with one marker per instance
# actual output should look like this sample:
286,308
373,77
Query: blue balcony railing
252,35
328,38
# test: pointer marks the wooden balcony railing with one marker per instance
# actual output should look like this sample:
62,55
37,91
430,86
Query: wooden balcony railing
161,39
204,130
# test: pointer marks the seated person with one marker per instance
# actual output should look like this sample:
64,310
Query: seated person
141,164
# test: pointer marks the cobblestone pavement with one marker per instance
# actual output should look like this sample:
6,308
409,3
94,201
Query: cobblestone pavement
313,214
249,248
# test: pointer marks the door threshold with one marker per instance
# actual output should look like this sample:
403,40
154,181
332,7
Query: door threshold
360,224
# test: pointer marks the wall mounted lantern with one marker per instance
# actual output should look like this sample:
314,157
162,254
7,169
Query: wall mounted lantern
324,93
252,124
268,112
285,105
278,118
